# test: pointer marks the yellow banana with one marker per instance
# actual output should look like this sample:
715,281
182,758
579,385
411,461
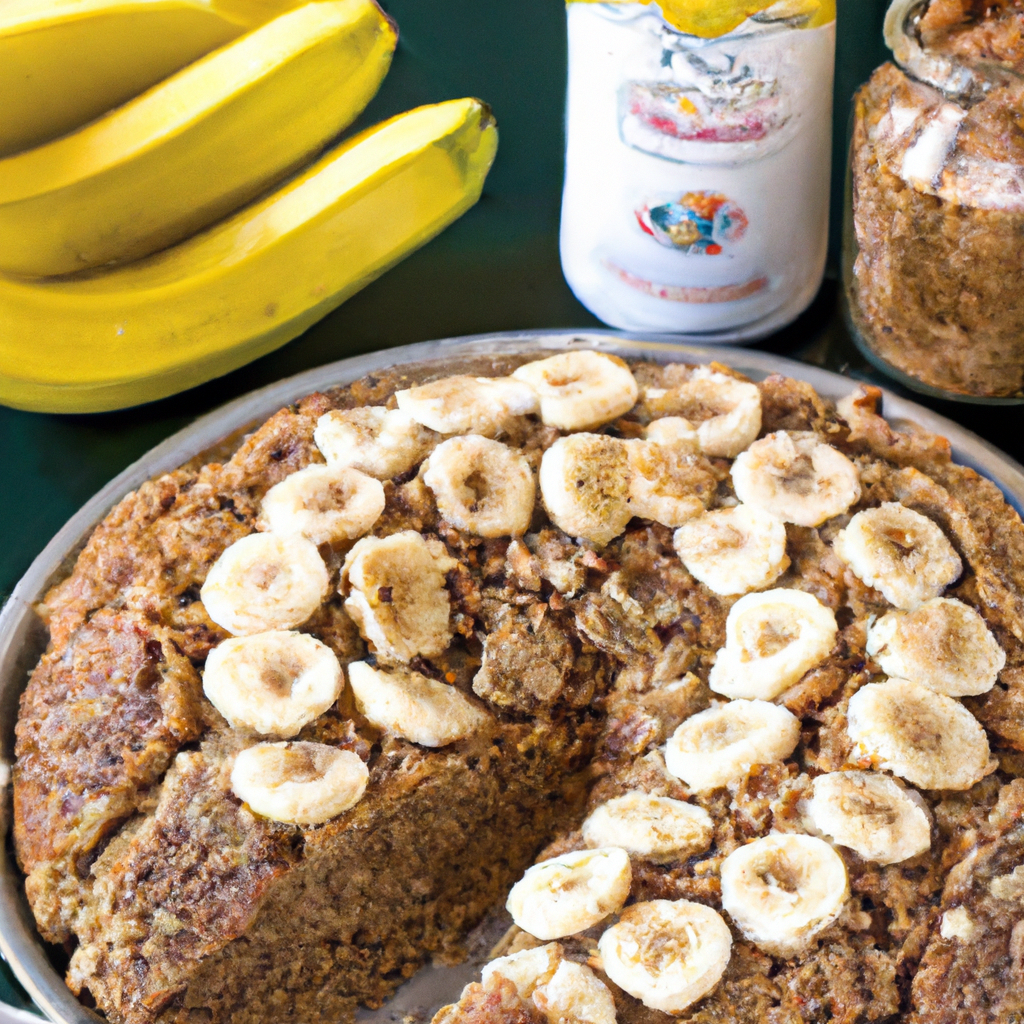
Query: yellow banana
119,337
195,147
64,62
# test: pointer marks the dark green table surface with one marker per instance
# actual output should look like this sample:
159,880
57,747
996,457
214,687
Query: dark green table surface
496,269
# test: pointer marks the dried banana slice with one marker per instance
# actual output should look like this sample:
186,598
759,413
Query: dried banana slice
733,550
571,893
944,645
795,477
584,483
922,736
469,405
273,683
383,443
414,707
327,504
265,581
575,994
526,969
667,953
580,390
780,891
397,594
656,828
771,640
674,432
482,486
665,486
900,553
298,783
718,746
874,815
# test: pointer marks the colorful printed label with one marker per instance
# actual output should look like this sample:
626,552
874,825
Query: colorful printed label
697,223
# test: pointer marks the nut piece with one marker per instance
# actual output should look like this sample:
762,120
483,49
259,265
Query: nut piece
656,828
576,995
526,969
468,405
666,486
382,443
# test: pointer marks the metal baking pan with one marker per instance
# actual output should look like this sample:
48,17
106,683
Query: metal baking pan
23,638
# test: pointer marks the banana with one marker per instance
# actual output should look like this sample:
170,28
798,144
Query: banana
771,640
526,969
924,737
674,432
468,405
273,683
874,815
575,995
667,953
327,504
584,483
666,486
656,828
265,582
252,282
482,486
196,147
782,890
795,477
570,893
580,390
298,783
397,596
413,707
733,550
900,553
943,644
718,746
383,443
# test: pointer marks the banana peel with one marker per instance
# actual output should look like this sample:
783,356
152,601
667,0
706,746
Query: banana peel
196,147
121,337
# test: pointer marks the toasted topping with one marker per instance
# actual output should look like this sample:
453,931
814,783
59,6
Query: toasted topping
958,924
571,893
273,683
900,553
780,891
575,995
298,783
580,390
733,550
771,640
482,486
874,815
526,969
668,954
944,645
922,736
653,827
397,594
676,433
414,707
265,581
666,486
468,405
382,443
719,745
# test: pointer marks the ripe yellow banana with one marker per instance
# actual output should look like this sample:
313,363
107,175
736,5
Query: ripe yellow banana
244,287
65,62
196,147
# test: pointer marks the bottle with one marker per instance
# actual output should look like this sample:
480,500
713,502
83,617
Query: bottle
698,158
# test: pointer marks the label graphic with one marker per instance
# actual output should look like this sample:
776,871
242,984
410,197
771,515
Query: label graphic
698,223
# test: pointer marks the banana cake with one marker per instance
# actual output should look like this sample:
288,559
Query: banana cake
720,686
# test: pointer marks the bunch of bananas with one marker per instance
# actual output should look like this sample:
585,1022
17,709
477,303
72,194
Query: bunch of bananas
141,252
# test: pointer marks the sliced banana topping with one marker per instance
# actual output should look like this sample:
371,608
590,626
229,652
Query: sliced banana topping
874,815
571,893
900,553
382,443
265,581
780,891
924,737
273,683
580,390
796,478
733,550
327,504
584,483
674,432
944,645
718,746
469,405
482,486
414,707
526,969
666,486
771,640
298,783
656,828
575,995
667,953
397,594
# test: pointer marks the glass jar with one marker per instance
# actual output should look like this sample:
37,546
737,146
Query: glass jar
698,162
